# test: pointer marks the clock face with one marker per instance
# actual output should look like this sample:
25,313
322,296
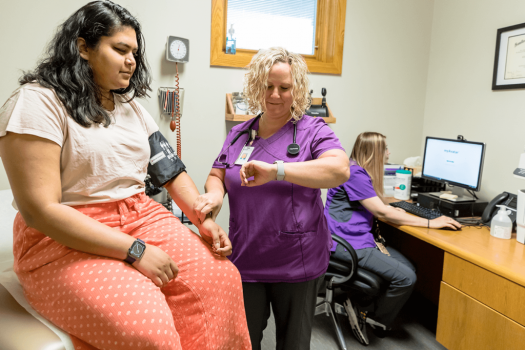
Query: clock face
178,49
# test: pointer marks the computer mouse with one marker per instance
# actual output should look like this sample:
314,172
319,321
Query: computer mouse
451,229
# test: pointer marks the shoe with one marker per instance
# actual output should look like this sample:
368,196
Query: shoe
381,332
357,320
379,329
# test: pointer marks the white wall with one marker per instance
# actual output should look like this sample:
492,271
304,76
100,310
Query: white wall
459,96
382,87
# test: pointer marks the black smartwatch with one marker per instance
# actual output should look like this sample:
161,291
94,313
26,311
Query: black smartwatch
136,251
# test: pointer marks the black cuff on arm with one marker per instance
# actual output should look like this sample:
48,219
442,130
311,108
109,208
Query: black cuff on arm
164,165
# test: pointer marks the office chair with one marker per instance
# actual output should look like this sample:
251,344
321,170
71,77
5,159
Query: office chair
360,285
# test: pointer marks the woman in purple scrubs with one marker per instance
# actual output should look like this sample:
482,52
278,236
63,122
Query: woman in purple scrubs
280,238
350,209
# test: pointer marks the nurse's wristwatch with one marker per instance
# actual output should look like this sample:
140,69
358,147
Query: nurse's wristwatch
136,251
280,170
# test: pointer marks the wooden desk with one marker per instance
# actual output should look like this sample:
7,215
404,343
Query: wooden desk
481,284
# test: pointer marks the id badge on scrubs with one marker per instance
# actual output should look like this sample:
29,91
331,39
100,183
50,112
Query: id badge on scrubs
382,248
244,156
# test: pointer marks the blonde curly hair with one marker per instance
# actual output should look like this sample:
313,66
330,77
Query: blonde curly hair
256,80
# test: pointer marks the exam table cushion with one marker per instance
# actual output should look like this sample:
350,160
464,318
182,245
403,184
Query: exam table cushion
21,328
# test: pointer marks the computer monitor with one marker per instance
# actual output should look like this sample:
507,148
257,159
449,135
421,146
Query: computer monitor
456,162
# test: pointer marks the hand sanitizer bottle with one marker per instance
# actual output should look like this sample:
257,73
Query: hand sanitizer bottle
501,225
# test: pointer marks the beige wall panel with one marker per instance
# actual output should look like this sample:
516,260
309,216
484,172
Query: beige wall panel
460,100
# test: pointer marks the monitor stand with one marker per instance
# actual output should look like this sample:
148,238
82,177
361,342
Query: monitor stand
457,200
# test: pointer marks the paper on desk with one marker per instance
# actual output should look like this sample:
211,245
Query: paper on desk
413,161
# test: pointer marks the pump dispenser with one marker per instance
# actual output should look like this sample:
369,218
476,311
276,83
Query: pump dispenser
501,225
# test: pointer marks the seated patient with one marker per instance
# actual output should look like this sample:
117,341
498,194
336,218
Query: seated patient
350,209
94,254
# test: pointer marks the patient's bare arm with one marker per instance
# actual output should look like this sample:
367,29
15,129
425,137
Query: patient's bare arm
34,174
185,193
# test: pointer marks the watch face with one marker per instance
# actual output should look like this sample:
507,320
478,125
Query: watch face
137,250
178,49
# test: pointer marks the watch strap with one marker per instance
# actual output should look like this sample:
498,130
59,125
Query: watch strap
280,169
130,260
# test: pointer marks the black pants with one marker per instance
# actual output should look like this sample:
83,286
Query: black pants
293,306
395,269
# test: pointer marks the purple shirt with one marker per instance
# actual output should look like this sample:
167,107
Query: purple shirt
345,215
278,230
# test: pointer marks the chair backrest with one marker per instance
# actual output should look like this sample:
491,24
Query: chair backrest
344,272
350,275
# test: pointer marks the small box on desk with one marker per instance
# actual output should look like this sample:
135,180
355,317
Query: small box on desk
389,178
451,208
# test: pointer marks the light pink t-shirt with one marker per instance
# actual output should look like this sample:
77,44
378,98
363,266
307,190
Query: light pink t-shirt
97,164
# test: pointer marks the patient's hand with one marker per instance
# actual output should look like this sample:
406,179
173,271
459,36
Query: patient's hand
157,265
216,237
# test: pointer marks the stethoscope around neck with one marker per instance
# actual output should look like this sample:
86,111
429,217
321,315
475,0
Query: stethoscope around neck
292,149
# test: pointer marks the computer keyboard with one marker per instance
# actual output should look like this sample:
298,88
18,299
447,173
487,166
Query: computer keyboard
417,210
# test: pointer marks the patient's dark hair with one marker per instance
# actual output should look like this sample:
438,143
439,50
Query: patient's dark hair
63,70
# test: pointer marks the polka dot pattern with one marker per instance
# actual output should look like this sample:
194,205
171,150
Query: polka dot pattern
104,303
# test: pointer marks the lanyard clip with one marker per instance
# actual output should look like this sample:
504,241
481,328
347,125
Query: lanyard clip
253,133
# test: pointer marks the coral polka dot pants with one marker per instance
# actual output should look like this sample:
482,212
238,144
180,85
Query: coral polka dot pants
104,303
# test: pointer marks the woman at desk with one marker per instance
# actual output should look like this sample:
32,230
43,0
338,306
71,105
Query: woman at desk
350,209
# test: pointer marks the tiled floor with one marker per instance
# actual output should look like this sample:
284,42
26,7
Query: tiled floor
410,332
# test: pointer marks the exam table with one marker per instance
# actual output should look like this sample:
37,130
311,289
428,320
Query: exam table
21,327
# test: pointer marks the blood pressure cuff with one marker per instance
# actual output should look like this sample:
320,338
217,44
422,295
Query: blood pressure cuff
164,164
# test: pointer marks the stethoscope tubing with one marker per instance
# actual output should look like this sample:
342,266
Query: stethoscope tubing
250,129
293,148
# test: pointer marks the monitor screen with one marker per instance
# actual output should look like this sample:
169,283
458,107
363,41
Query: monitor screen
456,162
